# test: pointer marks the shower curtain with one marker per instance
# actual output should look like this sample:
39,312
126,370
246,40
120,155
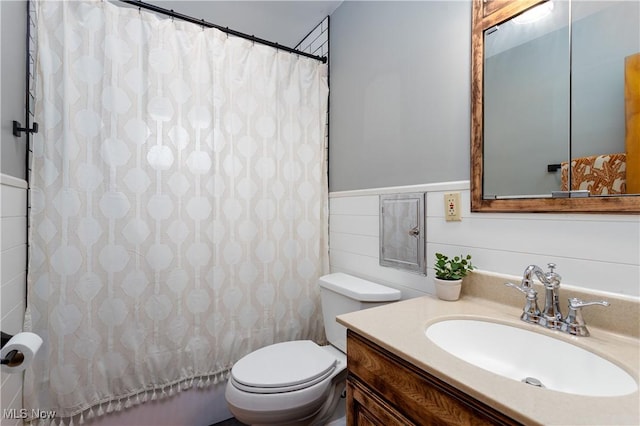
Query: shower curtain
178,206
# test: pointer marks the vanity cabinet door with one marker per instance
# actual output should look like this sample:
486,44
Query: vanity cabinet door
383,390
366,409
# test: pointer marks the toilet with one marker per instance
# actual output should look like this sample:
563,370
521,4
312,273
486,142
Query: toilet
300,382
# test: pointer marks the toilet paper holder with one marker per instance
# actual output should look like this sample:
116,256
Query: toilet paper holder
14,357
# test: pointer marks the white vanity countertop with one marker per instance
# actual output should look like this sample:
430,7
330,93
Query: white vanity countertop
400,328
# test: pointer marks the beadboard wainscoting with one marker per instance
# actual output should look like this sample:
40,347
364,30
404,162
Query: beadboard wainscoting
592,251
13,271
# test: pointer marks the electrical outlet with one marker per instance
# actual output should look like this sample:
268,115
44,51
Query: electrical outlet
452,206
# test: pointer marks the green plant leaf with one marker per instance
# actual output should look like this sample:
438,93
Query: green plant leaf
452,268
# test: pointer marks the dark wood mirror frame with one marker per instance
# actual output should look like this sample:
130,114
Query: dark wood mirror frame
486,14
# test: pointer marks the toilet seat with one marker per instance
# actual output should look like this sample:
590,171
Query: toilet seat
283,367
289,407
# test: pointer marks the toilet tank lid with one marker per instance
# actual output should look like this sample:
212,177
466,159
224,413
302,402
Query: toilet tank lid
358,289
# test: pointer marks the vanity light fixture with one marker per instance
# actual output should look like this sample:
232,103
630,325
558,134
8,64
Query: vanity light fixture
534,14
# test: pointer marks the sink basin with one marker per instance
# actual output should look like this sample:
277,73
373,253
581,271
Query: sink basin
533,358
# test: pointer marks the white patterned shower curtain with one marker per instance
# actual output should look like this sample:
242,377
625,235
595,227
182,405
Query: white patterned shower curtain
179,206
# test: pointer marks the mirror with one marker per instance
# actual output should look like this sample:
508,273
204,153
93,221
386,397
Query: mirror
548,90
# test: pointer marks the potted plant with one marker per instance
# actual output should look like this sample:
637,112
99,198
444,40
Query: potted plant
449,275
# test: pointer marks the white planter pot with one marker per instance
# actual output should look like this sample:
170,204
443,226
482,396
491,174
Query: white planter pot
448,290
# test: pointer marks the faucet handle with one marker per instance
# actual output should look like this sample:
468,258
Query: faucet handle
523,289
517,287
530,292
551,266
574,322
576,303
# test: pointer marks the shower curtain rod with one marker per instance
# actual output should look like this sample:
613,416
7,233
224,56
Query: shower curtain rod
187,18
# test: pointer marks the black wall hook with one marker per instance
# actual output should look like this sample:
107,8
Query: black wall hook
18,129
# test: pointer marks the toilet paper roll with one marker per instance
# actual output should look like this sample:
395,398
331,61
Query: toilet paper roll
27,344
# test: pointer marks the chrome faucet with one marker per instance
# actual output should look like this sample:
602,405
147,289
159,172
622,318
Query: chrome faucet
551,315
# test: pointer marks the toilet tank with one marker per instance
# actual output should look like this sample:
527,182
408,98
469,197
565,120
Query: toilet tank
341,293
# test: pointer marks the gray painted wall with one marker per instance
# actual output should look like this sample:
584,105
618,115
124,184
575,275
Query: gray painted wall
600,42
400,93
12,78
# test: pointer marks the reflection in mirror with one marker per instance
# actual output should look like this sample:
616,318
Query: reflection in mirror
604,35
526,101
531,129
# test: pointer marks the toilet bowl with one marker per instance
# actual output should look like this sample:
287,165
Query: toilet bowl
300,382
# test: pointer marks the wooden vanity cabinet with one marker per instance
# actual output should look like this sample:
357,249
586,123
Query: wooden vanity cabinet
385,390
